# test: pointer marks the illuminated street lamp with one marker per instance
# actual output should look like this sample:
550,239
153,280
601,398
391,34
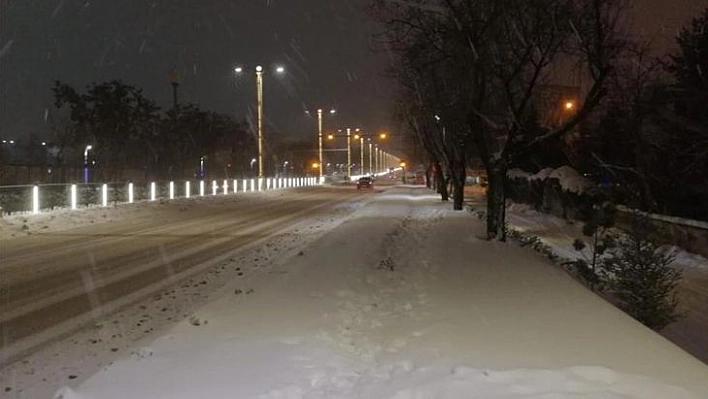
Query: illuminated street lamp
259,86
86,163
253,161
361,151
349,153
319,136
371,168
259,101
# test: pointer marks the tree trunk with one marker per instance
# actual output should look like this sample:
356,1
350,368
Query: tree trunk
428,172
496,202
459,186
441,183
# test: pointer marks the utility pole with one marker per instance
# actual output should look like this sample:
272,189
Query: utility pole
174,81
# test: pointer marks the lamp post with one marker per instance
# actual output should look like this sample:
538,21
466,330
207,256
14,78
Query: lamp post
86,163
349,153
360,136
319,136
259,103
361,152
259,87
371,168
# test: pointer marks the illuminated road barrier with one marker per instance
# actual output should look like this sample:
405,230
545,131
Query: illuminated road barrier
35,198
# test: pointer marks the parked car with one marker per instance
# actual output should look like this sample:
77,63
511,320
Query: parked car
365,182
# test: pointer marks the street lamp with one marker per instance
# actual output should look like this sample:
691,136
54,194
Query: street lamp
86,172
259,86
259,101
371,169
319,135
361,151
349,153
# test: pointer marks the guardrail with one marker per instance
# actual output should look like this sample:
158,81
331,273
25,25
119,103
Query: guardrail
36,198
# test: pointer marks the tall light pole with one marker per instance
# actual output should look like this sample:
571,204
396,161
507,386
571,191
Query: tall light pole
259,87
349,153
361,152
379,159
319,136
259,101
371,168
86,163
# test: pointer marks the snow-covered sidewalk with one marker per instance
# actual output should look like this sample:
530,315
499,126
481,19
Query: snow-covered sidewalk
404,300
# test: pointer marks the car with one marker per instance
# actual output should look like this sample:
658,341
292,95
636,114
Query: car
365,182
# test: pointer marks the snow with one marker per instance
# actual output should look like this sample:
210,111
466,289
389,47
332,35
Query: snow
570,179
685,259
541,174
401,299
517,173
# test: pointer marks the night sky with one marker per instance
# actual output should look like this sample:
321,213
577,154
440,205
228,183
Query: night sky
325,46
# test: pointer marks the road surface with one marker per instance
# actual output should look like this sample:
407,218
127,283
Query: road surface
51,282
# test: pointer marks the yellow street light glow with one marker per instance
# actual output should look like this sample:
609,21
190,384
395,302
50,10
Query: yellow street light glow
382,135
569,105
403,164
356,137
315,165
330,136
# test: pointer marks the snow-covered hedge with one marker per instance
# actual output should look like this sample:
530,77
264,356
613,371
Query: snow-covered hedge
541,174
570,180
517,173
562,191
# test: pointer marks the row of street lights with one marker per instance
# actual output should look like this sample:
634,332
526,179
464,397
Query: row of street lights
377,156
320,112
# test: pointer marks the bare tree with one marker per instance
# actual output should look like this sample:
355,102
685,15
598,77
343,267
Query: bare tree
482,63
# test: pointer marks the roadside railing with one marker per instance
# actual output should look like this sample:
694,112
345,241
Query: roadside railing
42,197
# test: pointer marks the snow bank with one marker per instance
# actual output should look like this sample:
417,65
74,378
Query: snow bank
517,173
541,174
570,180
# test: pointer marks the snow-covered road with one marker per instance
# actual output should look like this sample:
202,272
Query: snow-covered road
398,298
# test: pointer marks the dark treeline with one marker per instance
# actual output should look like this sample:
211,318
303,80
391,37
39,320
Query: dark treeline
486,82
129,131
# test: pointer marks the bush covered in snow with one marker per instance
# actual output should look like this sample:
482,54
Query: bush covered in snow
562,191
522,187
570,180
